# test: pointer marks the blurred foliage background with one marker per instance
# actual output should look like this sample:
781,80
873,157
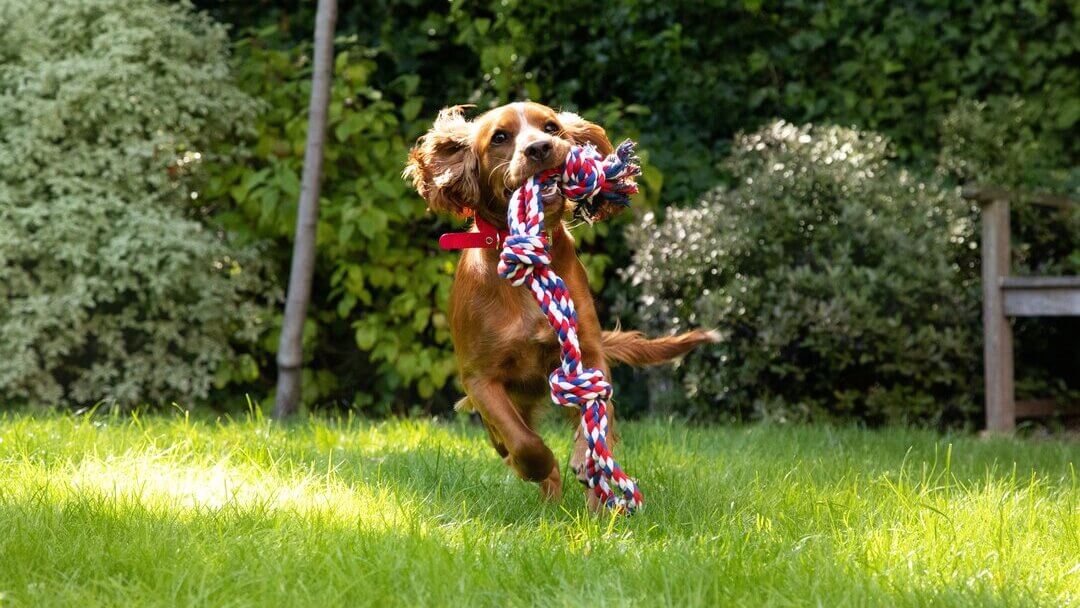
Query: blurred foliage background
968,91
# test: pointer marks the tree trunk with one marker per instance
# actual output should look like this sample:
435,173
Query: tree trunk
290,357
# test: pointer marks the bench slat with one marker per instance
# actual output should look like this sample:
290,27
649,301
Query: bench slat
987,195
1036,408
1041,296
1040,282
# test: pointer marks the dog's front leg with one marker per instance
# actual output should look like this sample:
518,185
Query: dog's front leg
526,452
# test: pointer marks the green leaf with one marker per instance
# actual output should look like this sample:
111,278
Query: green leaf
289,182
411,108
1068,113
346,304
357,73
389,189
365,336
353,123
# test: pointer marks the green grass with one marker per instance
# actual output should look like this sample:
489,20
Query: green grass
162,510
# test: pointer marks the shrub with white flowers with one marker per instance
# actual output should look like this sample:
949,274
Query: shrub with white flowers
842,284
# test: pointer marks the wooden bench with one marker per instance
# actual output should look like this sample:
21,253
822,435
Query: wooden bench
1007,296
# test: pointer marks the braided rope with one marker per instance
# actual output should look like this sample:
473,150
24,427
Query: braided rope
585,176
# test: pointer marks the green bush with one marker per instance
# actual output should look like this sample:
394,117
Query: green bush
377,333
995,144
688,74
842,284
110,287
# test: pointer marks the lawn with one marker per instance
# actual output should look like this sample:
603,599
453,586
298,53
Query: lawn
165,510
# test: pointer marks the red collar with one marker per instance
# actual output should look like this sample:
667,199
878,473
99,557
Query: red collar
487,236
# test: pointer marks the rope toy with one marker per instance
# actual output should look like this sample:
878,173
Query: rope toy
585,177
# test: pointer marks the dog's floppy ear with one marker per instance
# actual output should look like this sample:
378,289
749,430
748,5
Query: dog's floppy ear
583,131
443,165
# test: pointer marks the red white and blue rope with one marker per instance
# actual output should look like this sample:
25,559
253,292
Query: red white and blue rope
585,176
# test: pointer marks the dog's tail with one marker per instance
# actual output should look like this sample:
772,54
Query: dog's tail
634,348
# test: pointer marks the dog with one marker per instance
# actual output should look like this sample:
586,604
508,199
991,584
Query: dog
504,346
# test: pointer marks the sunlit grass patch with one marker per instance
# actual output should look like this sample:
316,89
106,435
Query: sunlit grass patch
166,510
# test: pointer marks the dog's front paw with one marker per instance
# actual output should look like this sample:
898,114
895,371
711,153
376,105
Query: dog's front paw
577,458
593,501
551,488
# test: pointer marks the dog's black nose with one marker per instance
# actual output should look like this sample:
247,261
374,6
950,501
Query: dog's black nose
538,151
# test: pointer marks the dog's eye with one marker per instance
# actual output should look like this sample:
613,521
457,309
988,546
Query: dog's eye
551,128
499,137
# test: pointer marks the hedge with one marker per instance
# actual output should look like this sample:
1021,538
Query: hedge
682,77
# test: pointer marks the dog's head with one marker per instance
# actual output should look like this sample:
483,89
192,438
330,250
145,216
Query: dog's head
462,165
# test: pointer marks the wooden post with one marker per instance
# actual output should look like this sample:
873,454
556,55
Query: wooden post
997,333
290,355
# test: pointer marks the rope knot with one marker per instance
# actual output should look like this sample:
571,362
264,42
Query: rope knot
600,184
520,256
583,174
578,389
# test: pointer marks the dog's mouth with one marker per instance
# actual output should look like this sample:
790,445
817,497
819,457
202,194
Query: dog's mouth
513,180
551,199
510,182
548,195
